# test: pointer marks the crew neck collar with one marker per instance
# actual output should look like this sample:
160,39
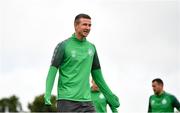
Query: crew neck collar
75,37
160,94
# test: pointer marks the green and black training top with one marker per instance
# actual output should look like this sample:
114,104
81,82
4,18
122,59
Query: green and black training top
75,60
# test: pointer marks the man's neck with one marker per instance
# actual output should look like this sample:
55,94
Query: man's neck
160,93
79,37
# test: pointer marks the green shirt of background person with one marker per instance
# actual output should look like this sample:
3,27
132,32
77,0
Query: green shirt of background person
99,100
162,101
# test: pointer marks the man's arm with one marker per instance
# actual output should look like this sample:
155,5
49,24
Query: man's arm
49,84
176,103
56,61
99,80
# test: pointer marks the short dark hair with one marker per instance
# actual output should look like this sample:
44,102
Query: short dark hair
77,18
158,80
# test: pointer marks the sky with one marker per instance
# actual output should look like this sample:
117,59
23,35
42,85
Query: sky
136,40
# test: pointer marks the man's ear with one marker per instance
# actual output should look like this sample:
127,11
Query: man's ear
75,26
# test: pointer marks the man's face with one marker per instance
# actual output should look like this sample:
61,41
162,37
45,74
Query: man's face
157,88
83,27
94,86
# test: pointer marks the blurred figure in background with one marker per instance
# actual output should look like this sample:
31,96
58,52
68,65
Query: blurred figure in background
99,100
162,101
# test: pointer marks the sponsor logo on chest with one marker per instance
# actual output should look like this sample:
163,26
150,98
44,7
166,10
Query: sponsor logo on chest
74,53
152,102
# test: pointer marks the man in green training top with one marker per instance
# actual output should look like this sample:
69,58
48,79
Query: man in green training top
75,58
162,101
99,100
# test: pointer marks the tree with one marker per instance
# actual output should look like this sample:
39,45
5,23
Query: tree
38,105
10,104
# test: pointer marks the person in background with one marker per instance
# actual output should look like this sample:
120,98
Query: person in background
99,100
162,101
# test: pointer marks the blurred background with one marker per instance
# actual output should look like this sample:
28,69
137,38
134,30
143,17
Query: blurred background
136,40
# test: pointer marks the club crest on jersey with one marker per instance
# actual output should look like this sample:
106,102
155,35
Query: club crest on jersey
164,101
101,96
73,53
90,52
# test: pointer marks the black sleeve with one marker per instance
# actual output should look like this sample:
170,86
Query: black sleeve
149,106
96,63
176,103
58,55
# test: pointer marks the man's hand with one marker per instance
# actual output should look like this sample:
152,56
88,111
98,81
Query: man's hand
47,101
113,109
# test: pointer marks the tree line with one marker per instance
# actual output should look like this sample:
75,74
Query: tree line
13,104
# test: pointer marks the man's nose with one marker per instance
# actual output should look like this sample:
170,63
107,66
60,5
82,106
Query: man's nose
88,27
